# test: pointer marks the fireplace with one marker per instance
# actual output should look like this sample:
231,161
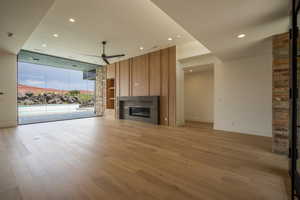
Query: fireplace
141,108
140,111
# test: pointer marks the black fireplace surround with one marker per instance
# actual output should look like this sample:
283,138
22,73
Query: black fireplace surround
139,108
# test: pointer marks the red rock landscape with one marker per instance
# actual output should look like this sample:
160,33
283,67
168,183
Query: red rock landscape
22,89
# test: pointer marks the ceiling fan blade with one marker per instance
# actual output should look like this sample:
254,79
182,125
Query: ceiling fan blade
105,60
115,56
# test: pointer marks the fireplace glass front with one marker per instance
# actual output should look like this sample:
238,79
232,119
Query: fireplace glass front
140,112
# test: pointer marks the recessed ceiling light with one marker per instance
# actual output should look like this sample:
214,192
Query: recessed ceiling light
241,36
141,48
44,45
72,20
170,39
9,34
55,35
191,70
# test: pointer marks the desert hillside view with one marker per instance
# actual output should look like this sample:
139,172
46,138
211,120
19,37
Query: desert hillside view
23,89
29,95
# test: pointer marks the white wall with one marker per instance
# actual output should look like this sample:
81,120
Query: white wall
199,96
242,91
243,95
8,85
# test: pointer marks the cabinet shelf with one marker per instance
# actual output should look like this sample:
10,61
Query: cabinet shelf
110,93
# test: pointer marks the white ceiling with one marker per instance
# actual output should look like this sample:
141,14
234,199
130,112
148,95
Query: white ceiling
216,23
190,49
126,25
20,18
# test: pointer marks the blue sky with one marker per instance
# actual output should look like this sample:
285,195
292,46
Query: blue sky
51,77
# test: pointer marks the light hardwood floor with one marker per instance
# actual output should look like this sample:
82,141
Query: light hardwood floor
114,160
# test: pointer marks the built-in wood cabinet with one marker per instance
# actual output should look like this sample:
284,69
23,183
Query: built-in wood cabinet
153,74
110,90
140,76
110,93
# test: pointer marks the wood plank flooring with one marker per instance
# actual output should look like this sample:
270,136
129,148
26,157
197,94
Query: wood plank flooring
101,159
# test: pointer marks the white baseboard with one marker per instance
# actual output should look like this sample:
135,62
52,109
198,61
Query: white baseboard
243,131
198,120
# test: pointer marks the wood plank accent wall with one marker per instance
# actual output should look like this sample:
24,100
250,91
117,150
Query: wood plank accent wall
172,87
164,95
125,78
152,74
140,76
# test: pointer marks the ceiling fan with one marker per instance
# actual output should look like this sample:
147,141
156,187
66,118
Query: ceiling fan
105,57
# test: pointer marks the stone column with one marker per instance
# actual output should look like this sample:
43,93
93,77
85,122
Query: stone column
281,93
100,94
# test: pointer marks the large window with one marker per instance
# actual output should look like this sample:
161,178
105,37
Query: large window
51,93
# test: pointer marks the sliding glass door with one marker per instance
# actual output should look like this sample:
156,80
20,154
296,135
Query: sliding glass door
31,83
51,93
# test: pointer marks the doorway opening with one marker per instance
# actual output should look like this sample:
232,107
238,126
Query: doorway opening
199,96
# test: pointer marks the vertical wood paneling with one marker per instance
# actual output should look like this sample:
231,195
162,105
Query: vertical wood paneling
154,73
140,76
172,86
164,96
124,78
